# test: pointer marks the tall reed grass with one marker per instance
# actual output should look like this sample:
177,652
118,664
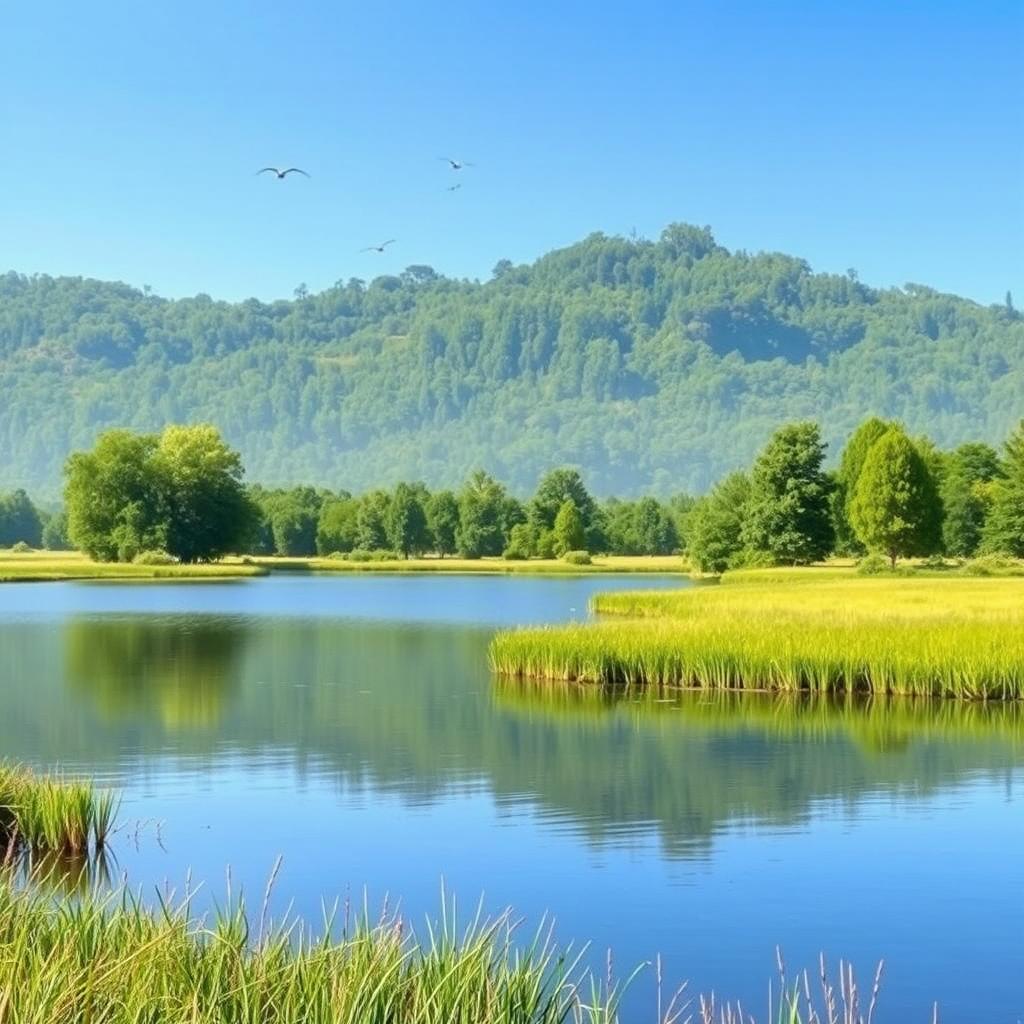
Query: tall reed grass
50,813
109,959
949,638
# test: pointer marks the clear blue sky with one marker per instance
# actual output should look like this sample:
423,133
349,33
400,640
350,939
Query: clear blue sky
884,137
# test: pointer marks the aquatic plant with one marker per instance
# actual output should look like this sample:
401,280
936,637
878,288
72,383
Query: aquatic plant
88,955
958,638
50,813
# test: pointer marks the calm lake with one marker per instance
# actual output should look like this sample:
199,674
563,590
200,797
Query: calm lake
351,725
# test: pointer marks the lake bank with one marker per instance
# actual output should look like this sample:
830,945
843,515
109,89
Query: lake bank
57,566
923,637
609,564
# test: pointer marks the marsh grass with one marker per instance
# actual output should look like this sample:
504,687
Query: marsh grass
107,957
53,814
950,638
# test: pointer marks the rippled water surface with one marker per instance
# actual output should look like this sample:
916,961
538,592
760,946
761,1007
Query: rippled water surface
350,724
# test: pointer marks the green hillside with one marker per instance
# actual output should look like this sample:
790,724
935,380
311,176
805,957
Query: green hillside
653,366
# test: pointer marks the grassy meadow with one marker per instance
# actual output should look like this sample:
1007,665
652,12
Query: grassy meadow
823,631
50,566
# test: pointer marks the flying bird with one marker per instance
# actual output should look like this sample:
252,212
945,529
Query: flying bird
281,174
456,165
455,187
379,248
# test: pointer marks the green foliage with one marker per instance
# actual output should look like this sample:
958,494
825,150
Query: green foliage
557,487
644,527
113,498
522,542
180,492
372,519
19,521
153,558
652,366
55,531
895,507
715,523
483,506
337,529
407,521
873,565
1004,529
787,515
206,508
577,558
966,494
443,521
568,529
851,462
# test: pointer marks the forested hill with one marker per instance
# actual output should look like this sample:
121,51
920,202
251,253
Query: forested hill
652,366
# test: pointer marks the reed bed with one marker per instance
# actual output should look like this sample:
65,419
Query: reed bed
924,638
52,814
110,959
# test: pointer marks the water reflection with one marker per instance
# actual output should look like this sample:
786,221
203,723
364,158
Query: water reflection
182,669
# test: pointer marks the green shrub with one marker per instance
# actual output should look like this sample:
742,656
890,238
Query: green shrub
990,565
577,557
546,544
363,555
154,558
873,565
21,548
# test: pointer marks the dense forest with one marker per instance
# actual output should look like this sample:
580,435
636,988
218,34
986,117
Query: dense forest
654,367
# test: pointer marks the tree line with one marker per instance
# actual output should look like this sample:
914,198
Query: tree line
651,365
181,493
891,494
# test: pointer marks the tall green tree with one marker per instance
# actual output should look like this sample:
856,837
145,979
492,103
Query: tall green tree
1004,529
372,520
114,497
337,527
568,528
407,521
483,506
851,462
787,513
555,488
20,520
966,496
443,521
896,507
207,511
714,525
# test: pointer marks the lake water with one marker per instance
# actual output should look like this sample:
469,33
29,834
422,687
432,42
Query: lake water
351,725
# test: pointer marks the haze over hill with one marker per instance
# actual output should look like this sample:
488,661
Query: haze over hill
652,366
